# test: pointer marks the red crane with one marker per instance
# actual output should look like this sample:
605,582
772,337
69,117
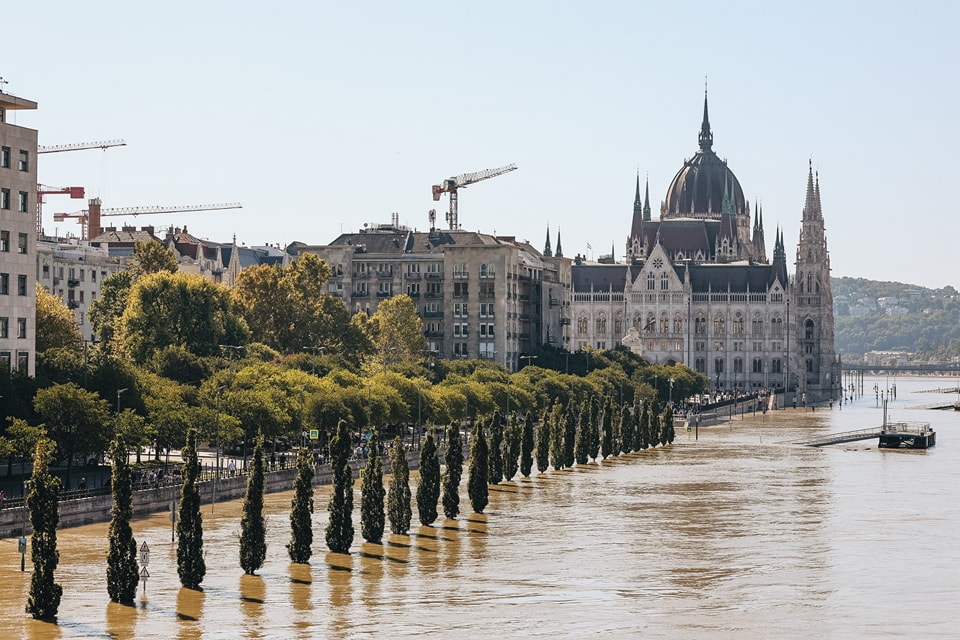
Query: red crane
451,185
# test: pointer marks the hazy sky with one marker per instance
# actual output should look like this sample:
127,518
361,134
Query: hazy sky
320,117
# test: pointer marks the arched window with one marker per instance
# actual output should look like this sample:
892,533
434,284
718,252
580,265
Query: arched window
800,280
700,325
650,324
664,282
636,321
618,324
719,326
664,323
601,323
757,327
678,323
738,325
582,323
809,281
808,330
776,327
776,366
651,282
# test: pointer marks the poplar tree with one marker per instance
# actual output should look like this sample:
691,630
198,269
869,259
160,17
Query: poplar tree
191,566
606,432
339,532
122,571
659,434
372,492
569,435
619,432
451,479
582,444
668,430
301,510
44,598
495,451
542,446
557,432
643,430
593,442
526,447
511,449
477,484
428,490
398,498
253,526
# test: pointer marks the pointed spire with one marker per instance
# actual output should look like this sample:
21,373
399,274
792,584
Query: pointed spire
636,226
547,253
637,202
646,201
816,189
809,206
559,246
706,136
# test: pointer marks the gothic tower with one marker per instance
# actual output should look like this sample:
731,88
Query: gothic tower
816,361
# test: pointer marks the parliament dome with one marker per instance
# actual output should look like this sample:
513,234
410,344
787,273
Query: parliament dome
700,187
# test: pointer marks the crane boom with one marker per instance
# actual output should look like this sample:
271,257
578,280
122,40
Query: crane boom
79,146
90,218
451,185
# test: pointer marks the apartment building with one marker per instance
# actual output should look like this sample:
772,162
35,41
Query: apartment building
18,214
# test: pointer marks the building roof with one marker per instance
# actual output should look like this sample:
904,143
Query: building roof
599,277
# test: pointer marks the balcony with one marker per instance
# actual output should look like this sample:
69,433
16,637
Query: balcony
433,314
73,282
433,334
413,275
73,304
385,274
361,294
433,294
434,275
414,294
361,275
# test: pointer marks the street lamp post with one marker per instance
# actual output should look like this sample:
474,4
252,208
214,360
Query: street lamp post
116,423
670,403
216,473
313,361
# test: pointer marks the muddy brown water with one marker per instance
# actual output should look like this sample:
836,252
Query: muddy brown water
734,534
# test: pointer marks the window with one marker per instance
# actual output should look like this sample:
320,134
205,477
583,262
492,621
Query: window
738,365
738,325
413,290
460,309
23,359
700,345
488,270
486,309
700,365
808,330
5,157
4,327
93,275
718,325
700,326
360,289
486,290
757,327
809,365
22,202
582,323
602,323
5,360
776,328
664,324
486,329
413,268
460,289
460,270
21,328
24,164
460,329
651,282
460,350
4,284
718,365
757,365
486,351
776,366
678,323
4,198
664,282
434,289
4,241
22,243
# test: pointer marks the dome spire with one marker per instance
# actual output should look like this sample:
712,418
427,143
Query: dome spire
646,201
706,136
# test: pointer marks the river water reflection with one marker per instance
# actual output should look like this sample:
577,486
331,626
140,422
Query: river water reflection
736,534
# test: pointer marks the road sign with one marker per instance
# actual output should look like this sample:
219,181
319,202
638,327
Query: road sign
314,434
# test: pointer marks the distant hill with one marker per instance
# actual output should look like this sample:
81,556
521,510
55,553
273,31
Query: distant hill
892,316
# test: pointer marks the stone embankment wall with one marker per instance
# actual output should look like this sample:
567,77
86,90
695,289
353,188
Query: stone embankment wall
78,512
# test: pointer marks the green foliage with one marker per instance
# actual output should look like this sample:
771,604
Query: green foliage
77,420
628,430
398,496
44,598
372,492
495,452
56,327
166,309
253,526
644,433
621,424
558,429
122,570
511,449
397,334
106,311
340,526
477,487
451,479
428,491
301,510
667,421
152,257
526,447
191,566
542,444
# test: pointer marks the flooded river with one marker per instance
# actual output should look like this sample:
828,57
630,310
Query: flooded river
730,533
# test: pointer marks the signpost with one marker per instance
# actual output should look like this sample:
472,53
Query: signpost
144,561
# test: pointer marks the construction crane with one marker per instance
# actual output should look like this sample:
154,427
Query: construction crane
451,185
90,217
80,146
57,148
